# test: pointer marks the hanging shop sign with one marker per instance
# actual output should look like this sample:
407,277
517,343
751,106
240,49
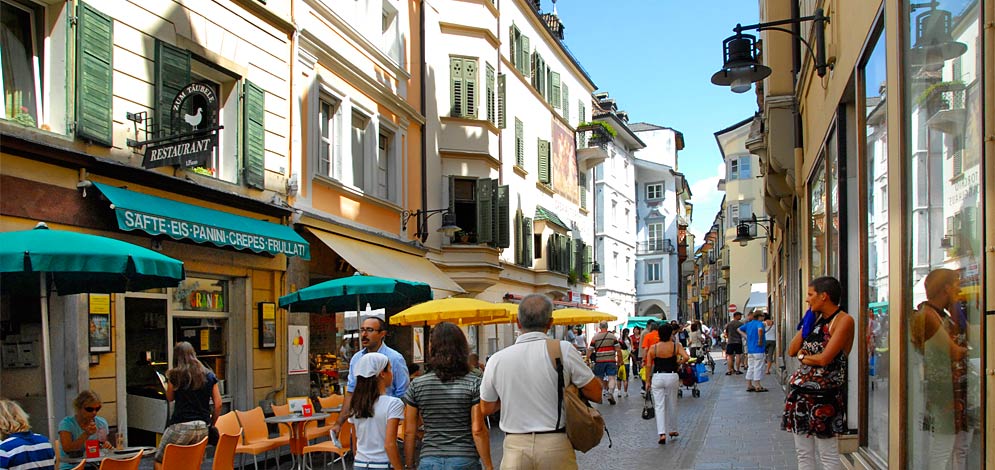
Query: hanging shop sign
194,120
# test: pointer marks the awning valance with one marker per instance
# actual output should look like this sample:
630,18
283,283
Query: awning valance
160,216
376,260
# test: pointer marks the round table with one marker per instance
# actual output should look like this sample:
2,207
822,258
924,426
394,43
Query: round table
298,437
123,454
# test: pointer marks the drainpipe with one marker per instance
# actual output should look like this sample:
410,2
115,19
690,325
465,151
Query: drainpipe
422,109
796,66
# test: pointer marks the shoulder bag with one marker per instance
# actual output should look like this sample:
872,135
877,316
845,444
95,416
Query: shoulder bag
585,425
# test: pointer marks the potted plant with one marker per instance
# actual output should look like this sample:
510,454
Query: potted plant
464,236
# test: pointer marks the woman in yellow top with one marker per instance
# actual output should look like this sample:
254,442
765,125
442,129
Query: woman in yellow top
623,371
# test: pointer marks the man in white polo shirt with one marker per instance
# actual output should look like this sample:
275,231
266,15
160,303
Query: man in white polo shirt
521,382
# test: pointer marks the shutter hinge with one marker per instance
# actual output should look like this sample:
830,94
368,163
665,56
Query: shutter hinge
73,20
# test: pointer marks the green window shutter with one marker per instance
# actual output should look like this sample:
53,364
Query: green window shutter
254,134
519,245
551,254
502,102
565,101
565,245
519,143
527,239
491,97
581,117
502,237
588,259
572,255
452,195
485,210
554,89
582,184
524,64
543,161
94,82
513,35
456,86
470,84
172,73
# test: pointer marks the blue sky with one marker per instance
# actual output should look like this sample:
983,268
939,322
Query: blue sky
655,57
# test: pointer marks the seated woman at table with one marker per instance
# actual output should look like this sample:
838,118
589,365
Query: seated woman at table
194,387
19,447
82,426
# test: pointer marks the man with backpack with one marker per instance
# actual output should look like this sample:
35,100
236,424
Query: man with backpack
528,393
606,354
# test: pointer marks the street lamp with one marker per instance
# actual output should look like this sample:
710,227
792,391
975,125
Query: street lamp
934,37
740,67
448,229
744,234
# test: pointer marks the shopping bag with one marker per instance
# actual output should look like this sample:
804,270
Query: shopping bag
702,372
642,373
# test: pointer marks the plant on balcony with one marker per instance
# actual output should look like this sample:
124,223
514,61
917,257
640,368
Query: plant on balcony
572,277
600,131
465,236
938,88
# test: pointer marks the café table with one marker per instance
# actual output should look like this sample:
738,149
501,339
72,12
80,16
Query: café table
296,422
117,454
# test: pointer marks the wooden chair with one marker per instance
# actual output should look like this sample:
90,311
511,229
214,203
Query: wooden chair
184,457
255,436
224,451
125,464
314,431
345,438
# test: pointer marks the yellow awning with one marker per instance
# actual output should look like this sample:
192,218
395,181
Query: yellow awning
376,260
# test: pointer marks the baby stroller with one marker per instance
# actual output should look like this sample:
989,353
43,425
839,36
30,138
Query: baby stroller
688,375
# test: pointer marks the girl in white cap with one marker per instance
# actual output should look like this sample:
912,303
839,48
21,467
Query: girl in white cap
375,415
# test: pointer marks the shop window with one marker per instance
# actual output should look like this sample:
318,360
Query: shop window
201,295
817,221
943,240
481,209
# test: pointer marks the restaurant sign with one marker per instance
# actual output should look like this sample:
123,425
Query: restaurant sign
193,119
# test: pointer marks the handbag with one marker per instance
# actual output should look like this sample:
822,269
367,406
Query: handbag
648,411
585,425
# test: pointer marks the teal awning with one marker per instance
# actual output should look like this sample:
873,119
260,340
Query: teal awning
160,216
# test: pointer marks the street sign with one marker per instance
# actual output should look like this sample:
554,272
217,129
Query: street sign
732,308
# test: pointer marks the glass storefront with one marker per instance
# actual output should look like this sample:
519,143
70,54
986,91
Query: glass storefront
817,224
944,237
872,77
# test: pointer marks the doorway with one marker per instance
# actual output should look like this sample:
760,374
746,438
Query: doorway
146,361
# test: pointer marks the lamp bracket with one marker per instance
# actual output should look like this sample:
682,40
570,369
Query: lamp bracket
422,216
820,20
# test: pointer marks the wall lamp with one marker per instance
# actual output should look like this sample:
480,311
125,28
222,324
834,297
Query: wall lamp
449,227
595,267
744,234
934,42
740,66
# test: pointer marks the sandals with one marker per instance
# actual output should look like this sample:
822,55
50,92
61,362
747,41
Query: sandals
752,390
675,434
761,389
662,441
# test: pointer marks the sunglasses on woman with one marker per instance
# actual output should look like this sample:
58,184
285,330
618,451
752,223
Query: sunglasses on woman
92,409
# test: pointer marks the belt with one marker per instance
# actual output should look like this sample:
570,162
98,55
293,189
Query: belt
376,465
555,431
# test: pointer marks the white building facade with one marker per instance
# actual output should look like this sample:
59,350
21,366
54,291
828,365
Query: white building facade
660,214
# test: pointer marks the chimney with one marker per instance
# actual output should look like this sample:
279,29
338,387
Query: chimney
623,115
553,23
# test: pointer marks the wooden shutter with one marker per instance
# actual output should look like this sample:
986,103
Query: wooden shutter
554,89
543,161
513,48
519,143
582,184
519,233
485,210
470,84
524,65
456,87
527,239
172,73
490,94
581,118
565,101
551,253
502,102
254,134
571,255
588,259
452,197
502,207
94,82
565,245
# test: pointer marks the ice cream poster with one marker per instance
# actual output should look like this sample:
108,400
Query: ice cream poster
297,357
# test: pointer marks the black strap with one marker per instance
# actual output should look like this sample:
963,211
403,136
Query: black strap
559,390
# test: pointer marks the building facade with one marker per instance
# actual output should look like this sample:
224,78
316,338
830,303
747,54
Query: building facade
615,210
170,131
661,216
882,178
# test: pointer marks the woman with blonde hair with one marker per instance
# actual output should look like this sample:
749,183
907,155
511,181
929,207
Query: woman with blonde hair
19,447
194,387
84,425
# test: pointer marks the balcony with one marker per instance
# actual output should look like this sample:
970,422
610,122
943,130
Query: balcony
655,247
592,144
946,100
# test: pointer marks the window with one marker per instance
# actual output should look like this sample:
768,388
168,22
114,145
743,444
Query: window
224,163
654,236
565,101
385,169
871,77
463,87
491,94
390,34
654,268
520,51
481,209
20,60
502,102
329,125
944,366
654,191
353,173
554,90
540,75
739,168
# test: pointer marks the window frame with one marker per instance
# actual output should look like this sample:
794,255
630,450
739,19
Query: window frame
36,58
658,264
659,191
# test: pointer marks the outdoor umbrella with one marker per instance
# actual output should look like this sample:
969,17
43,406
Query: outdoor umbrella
459,310
339,295
574,316
76,263
640,321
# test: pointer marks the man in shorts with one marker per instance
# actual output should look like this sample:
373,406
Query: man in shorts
734,345
607,355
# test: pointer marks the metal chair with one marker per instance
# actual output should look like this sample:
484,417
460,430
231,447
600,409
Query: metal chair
184,457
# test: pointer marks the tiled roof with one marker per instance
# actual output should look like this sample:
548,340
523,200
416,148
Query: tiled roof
545,214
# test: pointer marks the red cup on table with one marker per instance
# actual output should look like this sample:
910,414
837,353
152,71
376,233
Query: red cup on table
307,410
92,448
